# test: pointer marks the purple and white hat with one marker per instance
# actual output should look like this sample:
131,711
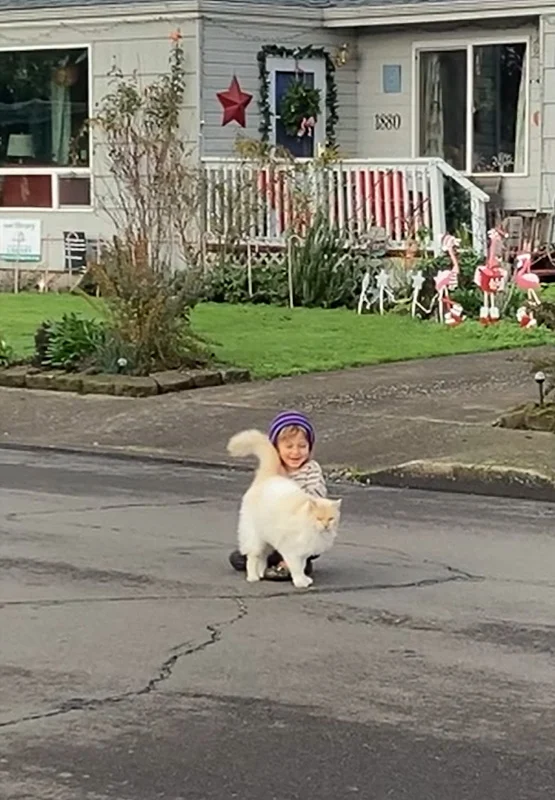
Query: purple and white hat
287,418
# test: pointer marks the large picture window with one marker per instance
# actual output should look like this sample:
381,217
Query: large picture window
44,140
472,107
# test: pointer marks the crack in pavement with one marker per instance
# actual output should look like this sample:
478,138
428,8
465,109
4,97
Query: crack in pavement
215,631
290,592
14,516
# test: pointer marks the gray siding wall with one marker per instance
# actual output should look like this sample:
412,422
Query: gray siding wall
377,49
141,46
547,119
231,48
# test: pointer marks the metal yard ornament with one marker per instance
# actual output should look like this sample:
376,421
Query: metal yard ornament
526,318
417,281
525,279
448,279
364,301
370,294
491,278
382,283
234,102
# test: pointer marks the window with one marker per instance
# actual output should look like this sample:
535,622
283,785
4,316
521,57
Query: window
473,107
283,71
44,140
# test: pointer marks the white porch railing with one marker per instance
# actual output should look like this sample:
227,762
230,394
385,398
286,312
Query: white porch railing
264,203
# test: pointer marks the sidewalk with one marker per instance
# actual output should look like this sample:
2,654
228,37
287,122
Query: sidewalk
438,411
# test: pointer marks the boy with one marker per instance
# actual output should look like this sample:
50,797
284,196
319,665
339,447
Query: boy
293,436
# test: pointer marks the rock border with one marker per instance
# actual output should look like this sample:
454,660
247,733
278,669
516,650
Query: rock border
26,377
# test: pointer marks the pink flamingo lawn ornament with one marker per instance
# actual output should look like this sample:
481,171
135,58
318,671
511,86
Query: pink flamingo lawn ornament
525,278
446,280
491,278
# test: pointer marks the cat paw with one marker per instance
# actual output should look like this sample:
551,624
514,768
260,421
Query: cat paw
302,582
253,578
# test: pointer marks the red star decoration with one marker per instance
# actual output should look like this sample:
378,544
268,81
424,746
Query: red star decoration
234,103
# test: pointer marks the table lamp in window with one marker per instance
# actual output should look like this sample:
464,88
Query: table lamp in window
20,147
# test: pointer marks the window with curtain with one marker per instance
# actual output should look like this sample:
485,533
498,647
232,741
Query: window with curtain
44,108
477,121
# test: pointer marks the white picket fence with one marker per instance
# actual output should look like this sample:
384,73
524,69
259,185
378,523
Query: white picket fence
264,203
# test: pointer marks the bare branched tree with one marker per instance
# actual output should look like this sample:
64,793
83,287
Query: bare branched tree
152,188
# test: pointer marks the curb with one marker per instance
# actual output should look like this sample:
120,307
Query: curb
478,479
436,476
124,454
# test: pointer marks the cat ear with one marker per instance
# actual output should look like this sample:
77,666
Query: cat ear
337,503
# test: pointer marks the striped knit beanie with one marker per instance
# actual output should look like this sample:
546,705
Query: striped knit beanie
287,418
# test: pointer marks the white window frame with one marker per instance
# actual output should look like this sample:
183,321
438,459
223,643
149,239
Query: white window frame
318,68
469,45
55,172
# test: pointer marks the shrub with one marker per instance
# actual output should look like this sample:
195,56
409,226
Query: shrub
545,314
326,270
227,282
323,269
67,343
148,312
6,353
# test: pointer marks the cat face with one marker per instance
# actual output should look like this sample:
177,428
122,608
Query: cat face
326,514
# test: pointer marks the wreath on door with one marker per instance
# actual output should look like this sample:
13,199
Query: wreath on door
299,108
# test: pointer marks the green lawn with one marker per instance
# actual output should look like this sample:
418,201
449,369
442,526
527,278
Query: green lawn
276,341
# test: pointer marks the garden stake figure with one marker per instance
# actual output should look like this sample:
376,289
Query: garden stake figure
491,279
367,296
382,282
417,281
448,279
525,279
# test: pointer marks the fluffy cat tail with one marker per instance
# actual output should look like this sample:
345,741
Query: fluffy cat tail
256,443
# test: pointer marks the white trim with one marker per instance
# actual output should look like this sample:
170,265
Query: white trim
314,65
469,44
13,48
186,11
414,13
469,116
414,104
55,173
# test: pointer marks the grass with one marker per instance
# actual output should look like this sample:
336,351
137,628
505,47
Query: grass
273,341
21,314
276,341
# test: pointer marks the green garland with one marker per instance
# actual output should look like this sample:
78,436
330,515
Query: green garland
299,53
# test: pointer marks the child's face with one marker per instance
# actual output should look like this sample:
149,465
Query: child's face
293,449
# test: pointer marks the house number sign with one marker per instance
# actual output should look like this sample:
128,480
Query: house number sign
387,122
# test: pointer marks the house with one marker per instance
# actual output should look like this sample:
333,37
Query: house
407,88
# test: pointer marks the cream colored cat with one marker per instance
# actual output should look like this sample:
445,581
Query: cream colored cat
276,514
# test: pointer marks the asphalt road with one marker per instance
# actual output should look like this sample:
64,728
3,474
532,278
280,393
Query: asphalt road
135,665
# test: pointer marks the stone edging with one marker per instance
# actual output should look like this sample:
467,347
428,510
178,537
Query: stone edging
25,377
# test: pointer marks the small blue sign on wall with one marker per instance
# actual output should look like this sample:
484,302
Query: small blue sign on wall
391,78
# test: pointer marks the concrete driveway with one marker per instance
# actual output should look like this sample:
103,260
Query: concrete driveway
134,664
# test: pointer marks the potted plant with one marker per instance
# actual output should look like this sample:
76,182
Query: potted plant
300,108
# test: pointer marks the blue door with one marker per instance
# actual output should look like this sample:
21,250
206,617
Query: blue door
300,147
